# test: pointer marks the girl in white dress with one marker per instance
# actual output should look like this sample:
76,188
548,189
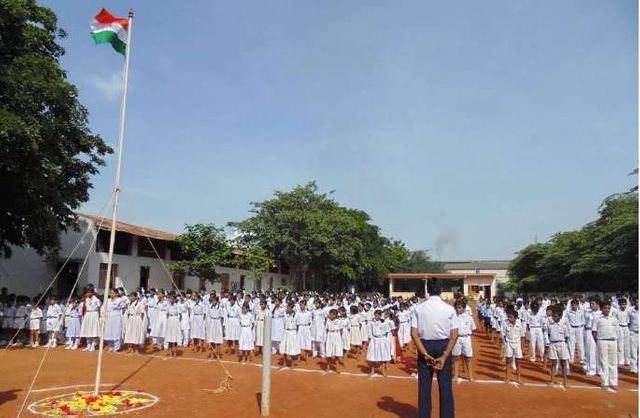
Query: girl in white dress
173,333
346,332
378,351
215,316
72,318
34,323
159,323
303,320
365,325
277,326
318,329
261,314
290,348
197,324
246,334
356,338
91,320
184,305
113,327
404,326
334,346
232,325
135,330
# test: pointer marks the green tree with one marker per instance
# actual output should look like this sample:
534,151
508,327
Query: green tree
47,152
324,243
202,247
601,256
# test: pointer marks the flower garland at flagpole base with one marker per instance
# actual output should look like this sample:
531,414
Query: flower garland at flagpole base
86,404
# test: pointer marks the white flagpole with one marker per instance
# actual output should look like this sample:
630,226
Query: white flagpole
112,240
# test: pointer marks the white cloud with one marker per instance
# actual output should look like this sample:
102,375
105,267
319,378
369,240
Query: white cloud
109,87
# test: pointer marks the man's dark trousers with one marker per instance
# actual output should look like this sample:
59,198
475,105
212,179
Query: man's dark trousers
435,348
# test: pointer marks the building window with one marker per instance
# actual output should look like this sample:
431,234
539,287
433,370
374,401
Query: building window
122,245
202,284
146,250
407,285
102,276
241,282
270,283
257,284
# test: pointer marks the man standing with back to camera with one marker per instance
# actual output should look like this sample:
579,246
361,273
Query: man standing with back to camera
434,332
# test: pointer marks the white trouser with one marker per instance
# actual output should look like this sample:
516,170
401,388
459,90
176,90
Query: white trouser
608,359
633,351
623,345
576,339
537,341
185,338
592,365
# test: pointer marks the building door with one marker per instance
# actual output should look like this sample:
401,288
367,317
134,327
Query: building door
67,278
224,281
144,277
487,292
102,277
241,282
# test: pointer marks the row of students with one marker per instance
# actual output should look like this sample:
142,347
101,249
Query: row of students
603,333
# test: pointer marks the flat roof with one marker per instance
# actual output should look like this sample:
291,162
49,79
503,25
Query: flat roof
476,264
444,276
105,224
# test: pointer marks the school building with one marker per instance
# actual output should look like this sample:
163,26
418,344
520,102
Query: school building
137,263
474,284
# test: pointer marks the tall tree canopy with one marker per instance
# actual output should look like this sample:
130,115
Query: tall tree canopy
325,244
420,262
47,152
602,256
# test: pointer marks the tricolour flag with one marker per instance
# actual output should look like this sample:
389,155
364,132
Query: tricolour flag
107,28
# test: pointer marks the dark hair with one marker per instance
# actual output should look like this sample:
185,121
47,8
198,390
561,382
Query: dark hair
622,300
459,304
511,312
354,309
434,288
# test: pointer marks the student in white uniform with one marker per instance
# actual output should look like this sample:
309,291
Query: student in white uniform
90,321
246,339
404,325
34,323
54,322
633,336
354,322
232,325
184,306
290,348
513,332
605,331
318,329
534,324
558,333
304,322
378,352
215,317
159,324
622,314
592,365
333,344
113,327
463,349
277,325
135,326
345,332
261,314
173,333
197,324
72,322
20,321
575,319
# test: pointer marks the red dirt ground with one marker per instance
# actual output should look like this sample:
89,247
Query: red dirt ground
180,384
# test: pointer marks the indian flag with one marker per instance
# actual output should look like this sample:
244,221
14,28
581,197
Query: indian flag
107,28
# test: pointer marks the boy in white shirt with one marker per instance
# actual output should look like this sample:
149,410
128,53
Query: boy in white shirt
513,332
463,347
605,331
558,336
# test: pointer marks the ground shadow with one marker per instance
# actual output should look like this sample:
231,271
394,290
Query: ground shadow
259,400
9,395
133,373
400,409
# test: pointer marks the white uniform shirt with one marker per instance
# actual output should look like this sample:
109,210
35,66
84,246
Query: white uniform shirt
466,325
575,318
557,331
513,332
606,327
633,320
623,317
434,319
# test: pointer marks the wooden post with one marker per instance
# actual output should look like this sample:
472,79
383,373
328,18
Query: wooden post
265,399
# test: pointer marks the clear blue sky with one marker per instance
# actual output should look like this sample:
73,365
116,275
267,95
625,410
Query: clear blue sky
466,128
